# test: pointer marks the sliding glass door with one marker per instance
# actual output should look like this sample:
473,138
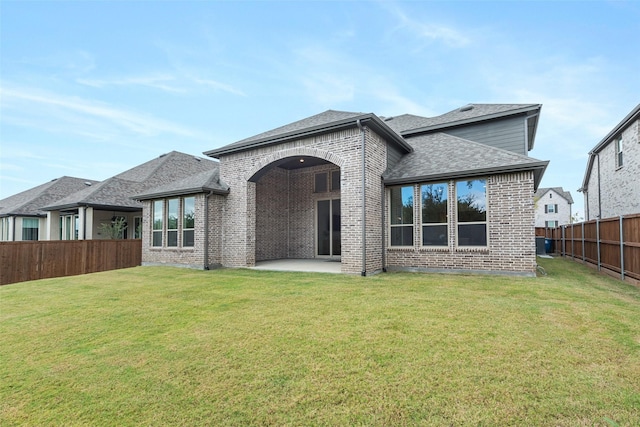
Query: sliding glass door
328,227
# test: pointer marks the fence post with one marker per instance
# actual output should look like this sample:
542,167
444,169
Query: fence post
598,240
621,249
564,251
573,250
583,258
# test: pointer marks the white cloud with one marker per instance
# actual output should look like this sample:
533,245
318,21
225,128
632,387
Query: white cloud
426,31
36,106
160,81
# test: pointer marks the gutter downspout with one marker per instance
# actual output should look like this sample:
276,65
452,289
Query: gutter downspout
364,210
383,228
599,192
206,230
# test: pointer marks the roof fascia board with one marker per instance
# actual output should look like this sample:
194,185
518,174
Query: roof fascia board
470,120
541,166
185,192
378,125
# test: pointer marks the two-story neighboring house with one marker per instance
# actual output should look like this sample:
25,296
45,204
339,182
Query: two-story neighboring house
553,207
611,184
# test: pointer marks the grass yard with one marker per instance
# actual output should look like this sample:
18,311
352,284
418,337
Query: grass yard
167,346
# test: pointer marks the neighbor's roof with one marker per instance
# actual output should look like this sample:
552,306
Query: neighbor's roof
116,192
443,156
30,202
203,182
328,121
619,128
559,190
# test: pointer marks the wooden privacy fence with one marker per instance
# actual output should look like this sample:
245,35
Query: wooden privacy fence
21,261
611,244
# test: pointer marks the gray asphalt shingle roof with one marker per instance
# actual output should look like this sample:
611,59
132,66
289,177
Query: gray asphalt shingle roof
31,202
443,156
466,114
202,182
565,194
117,191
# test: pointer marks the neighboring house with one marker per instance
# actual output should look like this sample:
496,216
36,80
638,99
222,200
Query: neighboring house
611,184
22,216
110,200
449,193
553,207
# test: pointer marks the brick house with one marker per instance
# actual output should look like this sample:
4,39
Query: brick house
611,184
448,193
21,215
80,215
553,207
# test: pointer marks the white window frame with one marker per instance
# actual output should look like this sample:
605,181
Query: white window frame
157,206
183,220
619,153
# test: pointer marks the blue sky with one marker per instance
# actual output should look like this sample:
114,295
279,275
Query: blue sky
90,89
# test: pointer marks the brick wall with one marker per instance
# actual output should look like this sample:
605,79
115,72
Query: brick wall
619,187
511,234
241,217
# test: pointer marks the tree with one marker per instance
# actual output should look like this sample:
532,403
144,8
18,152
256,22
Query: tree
114,229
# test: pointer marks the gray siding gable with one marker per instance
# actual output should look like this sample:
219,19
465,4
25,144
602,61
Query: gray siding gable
507,134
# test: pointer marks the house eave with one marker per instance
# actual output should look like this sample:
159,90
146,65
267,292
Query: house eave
538,169
370,120
632,116
183,192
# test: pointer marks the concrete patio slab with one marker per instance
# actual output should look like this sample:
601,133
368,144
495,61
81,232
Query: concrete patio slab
308,265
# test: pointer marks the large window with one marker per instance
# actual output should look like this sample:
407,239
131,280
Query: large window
172,222
471,198
188,220
402,216
158,220
69,227
178,230
434,214
30,228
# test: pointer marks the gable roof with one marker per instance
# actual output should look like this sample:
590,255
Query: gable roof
30,202
116,192
328,121
559,190
619,128
443,156
203,182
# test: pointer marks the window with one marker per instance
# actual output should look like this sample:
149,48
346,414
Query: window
4,229
335,180
172,222
619,153
188,220
69,227
401,216
158,220
551,208
137,227
472,212
434,200
551,224
30,228
320,183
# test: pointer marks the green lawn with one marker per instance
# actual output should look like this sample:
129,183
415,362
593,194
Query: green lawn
167,346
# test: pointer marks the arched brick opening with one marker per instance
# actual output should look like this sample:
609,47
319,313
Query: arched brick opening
297,203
